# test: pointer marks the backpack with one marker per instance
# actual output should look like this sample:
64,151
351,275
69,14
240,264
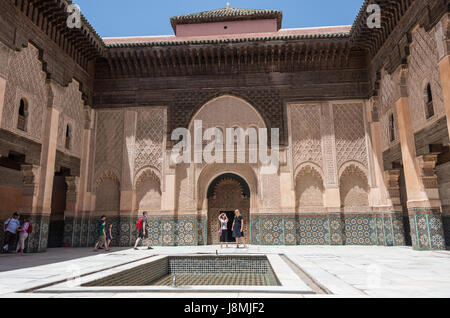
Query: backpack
30,229
139,224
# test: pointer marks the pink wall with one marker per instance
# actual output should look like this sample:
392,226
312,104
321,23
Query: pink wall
233,27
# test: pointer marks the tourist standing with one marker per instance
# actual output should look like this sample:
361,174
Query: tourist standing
238,227
10,228
25,231
102,234
109,236
223,232
141,225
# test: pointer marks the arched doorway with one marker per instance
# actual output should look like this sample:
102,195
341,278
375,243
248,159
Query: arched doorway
226,193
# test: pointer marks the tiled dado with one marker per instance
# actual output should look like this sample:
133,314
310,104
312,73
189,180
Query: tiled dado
427,232
163,231
181,231
327,230
83,232
38,240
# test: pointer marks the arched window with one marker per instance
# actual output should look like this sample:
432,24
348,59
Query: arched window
391,128
428,97
23,114
68,137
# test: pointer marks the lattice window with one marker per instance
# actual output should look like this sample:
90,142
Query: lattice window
391,128
23,115
68,142
428,98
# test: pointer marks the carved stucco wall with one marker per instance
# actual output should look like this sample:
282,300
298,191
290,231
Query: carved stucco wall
387,107
107,194
109,143
222,112
354,189
227,112
68,100
150,133
5,54
326,138
268,102
185,188
424,68
306,137
350,133
270,192
309,188
28,83
148,192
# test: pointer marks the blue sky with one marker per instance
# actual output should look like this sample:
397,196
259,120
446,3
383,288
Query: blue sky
150,17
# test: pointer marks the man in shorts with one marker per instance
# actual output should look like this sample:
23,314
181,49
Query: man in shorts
102,235
142,231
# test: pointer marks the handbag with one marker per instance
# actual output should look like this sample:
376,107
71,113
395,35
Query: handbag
220,232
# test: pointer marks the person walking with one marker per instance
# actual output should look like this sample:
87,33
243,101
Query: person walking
102,235
25,231
109,236
238,227
10,228
223,232
141,225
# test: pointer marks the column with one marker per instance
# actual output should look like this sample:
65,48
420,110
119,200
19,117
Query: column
378,194
385,191
127,192
287,183
2,97
424,207
40,208
28,205
443,48
332,195
332,198
71,238
48,156
83,206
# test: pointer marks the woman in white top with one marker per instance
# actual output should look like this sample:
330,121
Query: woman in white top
223,232
23,234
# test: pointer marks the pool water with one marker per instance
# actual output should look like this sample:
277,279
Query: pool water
196,271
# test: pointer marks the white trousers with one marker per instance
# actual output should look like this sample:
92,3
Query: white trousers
21,244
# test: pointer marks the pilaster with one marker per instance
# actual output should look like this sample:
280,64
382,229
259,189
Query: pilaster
2,97
332,198
424,207
127,192
48,156
442,32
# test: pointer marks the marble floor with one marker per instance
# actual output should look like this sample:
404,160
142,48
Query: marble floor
333,271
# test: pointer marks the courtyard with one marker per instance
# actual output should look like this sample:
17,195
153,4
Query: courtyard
304,272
